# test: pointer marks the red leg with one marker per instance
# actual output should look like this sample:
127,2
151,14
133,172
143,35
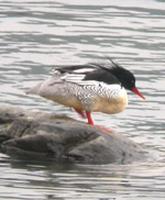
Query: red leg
81,113
90,120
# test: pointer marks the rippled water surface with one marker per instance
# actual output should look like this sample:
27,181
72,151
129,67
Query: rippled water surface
37,34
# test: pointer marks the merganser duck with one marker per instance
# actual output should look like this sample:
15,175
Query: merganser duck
89,88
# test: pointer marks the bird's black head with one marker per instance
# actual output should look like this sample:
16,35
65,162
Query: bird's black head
126,78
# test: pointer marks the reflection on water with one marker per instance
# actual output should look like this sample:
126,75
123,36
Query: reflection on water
42,180
35,35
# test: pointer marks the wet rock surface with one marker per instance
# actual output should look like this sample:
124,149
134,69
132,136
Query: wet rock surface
41,135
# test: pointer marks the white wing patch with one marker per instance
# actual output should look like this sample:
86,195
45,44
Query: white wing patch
83,70
75,78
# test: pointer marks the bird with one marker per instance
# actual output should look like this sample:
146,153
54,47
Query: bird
90,87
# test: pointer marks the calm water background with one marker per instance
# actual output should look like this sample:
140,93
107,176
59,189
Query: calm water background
37,34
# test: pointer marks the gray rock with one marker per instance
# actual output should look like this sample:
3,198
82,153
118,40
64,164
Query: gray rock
41,135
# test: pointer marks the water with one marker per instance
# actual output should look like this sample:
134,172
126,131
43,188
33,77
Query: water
37,34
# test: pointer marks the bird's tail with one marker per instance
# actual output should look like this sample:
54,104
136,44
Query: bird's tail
34,90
